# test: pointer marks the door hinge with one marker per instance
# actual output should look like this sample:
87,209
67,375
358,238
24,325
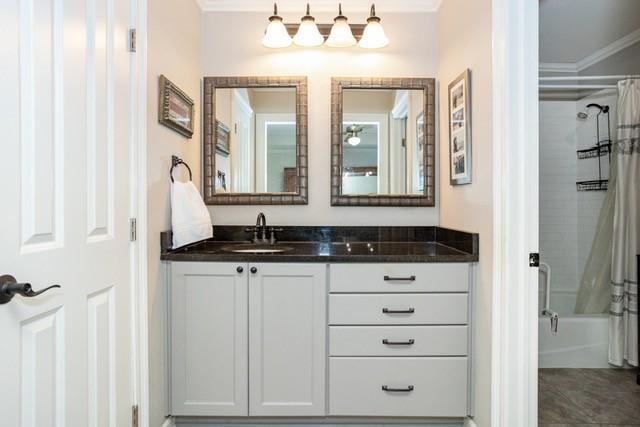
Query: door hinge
132,40
133,229
534,259
134,415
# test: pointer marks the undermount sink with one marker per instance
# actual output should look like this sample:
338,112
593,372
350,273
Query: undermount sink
256,248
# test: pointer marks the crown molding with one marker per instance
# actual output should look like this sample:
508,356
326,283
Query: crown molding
558,67
591,60
383,6
610,50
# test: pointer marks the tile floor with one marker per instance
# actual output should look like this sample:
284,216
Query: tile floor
588,398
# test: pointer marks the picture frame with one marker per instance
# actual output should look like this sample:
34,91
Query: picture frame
222,138
460,143
175,108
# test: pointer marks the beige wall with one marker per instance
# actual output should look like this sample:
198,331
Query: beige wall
464,41
174,49
232,46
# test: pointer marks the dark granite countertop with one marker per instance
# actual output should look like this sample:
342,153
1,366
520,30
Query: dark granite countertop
336,245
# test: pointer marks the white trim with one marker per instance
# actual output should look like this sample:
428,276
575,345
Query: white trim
169,422
139,161
514,400
594,58
609,50
354,6
558,67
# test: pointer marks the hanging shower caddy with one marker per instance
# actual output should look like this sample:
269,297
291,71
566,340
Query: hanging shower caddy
601,149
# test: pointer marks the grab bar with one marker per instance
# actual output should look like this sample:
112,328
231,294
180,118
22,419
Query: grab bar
547,287
546,311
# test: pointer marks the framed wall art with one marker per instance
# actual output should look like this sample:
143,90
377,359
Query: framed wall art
223,134
175,108
460,129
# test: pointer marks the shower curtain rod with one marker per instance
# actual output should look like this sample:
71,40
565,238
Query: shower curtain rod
576,87
577,78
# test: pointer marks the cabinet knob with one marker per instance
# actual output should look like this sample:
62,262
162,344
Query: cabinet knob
239,269
254,270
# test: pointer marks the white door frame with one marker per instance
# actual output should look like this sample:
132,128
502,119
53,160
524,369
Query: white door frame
139,253
515,200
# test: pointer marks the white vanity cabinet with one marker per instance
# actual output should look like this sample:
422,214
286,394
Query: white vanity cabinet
400,340
287,339
232,319
209,339
315,340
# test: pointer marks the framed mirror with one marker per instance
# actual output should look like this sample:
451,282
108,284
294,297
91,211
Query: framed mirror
383,142
255,140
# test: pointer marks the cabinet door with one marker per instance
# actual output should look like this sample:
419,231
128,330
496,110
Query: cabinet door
208,339
287,339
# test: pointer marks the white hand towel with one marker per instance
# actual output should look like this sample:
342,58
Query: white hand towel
190,219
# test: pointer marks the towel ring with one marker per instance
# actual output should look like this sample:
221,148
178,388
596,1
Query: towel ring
175,161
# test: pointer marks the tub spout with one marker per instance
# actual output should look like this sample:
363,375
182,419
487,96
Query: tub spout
554,319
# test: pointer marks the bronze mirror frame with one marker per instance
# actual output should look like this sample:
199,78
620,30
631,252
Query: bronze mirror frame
210,137
428,86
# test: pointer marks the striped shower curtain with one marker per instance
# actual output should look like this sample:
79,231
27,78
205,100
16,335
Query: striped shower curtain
623,313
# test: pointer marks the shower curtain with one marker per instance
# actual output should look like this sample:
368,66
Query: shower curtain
623,313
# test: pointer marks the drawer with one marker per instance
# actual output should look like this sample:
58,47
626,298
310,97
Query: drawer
398,340
439,386
398,309
399,277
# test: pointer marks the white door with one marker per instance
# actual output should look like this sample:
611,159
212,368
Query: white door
64,186
209,339
287,339
243,150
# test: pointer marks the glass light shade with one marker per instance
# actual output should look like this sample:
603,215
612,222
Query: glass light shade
341,35
373,36
353,140
276,35
308,34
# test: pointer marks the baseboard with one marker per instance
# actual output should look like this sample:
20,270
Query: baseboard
168,422
319,422
468,422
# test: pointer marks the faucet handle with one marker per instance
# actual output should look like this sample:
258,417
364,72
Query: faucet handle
272,234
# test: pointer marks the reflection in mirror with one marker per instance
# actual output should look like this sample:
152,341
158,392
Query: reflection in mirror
383,149
257,154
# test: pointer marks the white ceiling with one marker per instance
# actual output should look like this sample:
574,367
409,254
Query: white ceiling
571,30
319,5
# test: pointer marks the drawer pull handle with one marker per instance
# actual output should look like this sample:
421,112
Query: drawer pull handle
398,390
408,342
400,279
407,311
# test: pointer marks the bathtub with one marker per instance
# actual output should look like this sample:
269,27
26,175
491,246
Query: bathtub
581,342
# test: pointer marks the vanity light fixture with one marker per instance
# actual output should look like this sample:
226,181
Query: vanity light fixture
308,34
341,35
373,36
276,35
